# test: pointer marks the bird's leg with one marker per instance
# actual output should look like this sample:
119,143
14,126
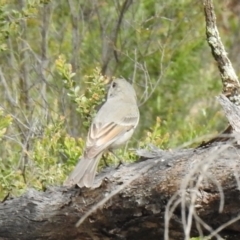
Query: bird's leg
105,161
120,162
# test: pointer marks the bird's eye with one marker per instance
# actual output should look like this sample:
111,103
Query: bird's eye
114,84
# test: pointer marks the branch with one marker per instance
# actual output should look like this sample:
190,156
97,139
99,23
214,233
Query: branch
232,112
231,87
112,41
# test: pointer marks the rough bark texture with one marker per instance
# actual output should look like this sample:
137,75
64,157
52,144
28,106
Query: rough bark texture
231,87
232,112
199,178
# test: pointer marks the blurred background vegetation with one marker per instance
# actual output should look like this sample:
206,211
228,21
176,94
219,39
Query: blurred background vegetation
56,57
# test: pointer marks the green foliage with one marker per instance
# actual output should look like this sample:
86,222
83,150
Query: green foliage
49,155
5,167
46,164
155,135
93,96
10,18
5,121
199,238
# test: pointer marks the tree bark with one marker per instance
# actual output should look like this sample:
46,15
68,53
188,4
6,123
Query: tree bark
145,200
231,87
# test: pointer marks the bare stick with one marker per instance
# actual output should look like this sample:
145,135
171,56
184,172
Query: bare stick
228,75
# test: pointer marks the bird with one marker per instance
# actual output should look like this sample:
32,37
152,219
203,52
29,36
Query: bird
112,126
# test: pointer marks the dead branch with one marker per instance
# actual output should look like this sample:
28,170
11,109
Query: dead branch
229,78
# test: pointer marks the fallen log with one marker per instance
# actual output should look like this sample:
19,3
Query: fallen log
195,189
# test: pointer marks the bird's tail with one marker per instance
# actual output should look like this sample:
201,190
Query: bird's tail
84,173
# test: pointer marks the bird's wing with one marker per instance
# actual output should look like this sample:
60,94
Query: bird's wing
101,136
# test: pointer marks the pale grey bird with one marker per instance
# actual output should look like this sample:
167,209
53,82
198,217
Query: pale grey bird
112,126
